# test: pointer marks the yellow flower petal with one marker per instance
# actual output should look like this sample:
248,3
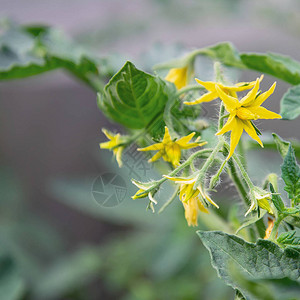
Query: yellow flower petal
231,103
209,85
263,113
249,98
167,138
204,98
157,156
184,140
157,146
178,76
236,133
252,132
228,126
262,97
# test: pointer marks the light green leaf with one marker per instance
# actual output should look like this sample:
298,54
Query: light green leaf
134,98
263,260
224,52
282,145
290,104
277,65
291,174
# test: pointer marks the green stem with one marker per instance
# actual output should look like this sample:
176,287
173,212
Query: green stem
241,167
275,228
177,170
166,204
208,162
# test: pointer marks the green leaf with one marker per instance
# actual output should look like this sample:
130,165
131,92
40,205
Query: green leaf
290,103
225,52
289,239
27,51
276,199
267,289
291,174
277,65
282,145
263,260
134,98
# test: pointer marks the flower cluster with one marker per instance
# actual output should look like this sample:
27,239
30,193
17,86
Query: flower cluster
241,112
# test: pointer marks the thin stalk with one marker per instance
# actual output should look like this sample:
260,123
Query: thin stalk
190,88
177,170
166,204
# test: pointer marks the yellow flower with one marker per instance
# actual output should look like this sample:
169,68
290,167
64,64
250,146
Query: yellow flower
242,112
171,150
261,198
178,76
115,140
212,91
191,199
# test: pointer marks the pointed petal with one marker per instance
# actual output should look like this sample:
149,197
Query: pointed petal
230,102
252,132
209,85
158,146
204,98
184,140
242,86
249,98
263,113
202,207
207,198
167,138
118,154
157,156
236,133
262,97
228,126
107,133
106,145
181,179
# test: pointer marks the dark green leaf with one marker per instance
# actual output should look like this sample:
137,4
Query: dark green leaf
134,98
276,199
263,260
290,103
289,239
291,174
282,145
267,289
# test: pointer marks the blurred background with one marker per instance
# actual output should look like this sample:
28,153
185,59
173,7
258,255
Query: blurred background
52,229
